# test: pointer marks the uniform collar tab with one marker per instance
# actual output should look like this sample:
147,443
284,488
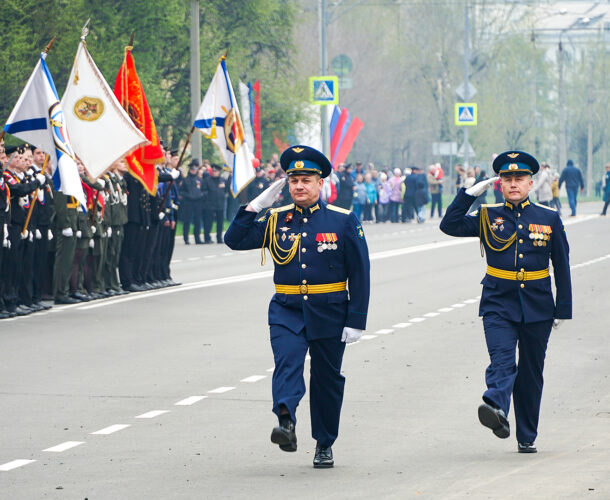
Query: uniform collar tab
308,210
508,204
525,203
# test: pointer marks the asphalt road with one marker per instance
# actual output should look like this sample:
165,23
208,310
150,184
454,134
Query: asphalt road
167,394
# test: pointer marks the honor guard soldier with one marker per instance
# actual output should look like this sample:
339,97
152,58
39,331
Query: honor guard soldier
319,252
517,305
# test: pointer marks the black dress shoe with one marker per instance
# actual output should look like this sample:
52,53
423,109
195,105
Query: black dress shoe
36,307
4,315
23,310
134,288
495,419
67,300
323,458
526,448
80,296
45,306
284,435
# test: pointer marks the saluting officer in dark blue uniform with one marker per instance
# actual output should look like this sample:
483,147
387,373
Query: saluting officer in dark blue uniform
517,305
320,253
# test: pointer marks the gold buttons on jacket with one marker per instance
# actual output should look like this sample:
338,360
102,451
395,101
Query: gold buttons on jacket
520,255
303,266
520,226
522,285
520,240
304,235
305,297
304,282
303,250
305,219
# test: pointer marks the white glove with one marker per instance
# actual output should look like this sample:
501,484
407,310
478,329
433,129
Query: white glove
30,236
79,234
93,229
109,232
38,234
351,335
5,242
50,235
557,323
101,182
24,235
41,178
67,232
267,197
91,243
23,201
175,173
161,215
480,187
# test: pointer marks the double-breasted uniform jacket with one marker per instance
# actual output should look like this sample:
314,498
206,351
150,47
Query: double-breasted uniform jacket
328,249
518,240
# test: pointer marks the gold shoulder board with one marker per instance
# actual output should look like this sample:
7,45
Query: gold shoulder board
544,206
338,209
282,209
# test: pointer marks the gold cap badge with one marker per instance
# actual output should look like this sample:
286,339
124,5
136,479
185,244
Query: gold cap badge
513,166
298,150
299,164
512,155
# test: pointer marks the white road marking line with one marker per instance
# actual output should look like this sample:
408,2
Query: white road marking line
470,301
368,337
111,429
253,378
152,414
14,464
191,400
266,274
431,314
445,309
176,261
64,446
458,305
384,331
227,254
401,325
210,256
271,369
220,390
417,320
190,259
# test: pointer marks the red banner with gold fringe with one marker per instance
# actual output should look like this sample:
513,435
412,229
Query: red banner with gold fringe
130,93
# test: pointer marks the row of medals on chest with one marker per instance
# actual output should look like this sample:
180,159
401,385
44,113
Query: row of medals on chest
322,245
539,239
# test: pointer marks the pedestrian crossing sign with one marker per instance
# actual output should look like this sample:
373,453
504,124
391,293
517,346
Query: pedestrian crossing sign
324,90
465,113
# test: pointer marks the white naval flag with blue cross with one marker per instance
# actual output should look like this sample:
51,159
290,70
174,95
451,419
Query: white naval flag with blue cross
219,120
38,118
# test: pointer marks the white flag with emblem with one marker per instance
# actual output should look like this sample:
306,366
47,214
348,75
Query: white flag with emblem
219,120
100,130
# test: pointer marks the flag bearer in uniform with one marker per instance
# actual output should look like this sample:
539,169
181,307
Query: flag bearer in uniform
517,304
320,253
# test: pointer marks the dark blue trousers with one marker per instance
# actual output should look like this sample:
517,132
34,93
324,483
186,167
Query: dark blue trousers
325,384
572,199
523,380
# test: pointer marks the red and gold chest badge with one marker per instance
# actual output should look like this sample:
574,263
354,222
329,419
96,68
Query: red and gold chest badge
327,241
498,224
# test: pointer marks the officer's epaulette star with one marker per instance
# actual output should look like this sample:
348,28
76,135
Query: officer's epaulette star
282,209
544,206
338,209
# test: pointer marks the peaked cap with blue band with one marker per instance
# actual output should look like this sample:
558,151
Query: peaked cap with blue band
514,162
304,160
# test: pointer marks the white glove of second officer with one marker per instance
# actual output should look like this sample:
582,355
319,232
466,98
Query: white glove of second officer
41,178
557,323
38,234
267,197
480,187
67,232
50,235
175,173
351,335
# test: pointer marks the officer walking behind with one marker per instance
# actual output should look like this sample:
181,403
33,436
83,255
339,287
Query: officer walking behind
517,305
572,177
318,249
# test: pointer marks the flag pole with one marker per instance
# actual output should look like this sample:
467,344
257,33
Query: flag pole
44,165
34,199
171,183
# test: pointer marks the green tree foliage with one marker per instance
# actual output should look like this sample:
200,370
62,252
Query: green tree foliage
256,32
